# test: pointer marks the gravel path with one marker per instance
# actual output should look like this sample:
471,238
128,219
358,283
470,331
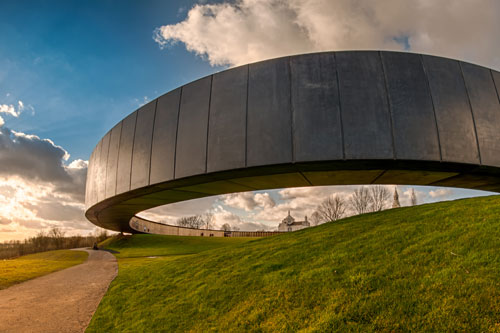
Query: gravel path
63,301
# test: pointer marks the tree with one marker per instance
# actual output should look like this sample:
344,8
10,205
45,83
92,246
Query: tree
208,219
332,208
360,200
226,227
57,236
195,222
413,198
379,195
315,218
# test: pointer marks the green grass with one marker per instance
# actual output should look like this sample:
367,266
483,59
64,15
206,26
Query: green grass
426,268
158,245
27,267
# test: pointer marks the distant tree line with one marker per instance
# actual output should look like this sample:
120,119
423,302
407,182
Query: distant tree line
363,200
54,239
203,221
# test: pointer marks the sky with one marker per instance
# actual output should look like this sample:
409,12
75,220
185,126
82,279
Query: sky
64,64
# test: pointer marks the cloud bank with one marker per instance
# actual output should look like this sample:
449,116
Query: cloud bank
38,189
243,31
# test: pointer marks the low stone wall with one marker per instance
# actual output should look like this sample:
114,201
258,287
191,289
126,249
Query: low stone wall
149,227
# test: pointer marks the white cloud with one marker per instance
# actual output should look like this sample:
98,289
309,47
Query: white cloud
38,190
242,31
441,193
300,201
222,216
249,200
14,111
9,109
29,206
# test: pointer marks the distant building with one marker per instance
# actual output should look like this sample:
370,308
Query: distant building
395,203
289,224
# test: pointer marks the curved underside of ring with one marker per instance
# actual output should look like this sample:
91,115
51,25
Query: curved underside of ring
334,118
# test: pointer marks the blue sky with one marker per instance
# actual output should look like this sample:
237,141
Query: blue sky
70,70
84,65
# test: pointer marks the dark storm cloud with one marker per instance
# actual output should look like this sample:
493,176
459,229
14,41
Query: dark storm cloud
36,159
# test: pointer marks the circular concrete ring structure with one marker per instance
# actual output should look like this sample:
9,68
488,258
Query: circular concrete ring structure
332,118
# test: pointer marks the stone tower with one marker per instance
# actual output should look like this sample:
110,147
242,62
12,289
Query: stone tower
395,203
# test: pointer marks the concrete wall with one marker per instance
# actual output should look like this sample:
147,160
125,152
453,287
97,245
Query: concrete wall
151,227
312,119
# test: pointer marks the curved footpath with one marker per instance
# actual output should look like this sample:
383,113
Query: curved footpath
63,301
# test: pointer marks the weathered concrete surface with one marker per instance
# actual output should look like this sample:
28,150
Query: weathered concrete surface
330,118
63,301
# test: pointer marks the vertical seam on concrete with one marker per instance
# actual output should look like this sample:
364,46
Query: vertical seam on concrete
107,159
471,112
377,178
246,117
306,179
177,131
494,85
151,145
389,107
98,157
433,106
133,145
208,122
292,127
118,156
340,104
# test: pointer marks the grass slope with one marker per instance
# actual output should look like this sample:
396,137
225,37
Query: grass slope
27,267
426,268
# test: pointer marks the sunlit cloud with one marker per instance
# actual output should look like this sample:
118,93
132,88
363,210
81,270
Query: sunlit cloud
38,189
243,31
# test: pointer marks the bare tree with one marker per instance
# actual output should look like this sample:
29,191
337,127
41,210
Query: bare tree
379,196
315,218
226,227
208,219
360,200
413,198
57,236
332,208
195,221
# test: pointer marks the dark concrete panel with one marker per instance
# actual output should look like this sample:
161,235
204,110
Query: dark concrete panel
89,187
273,181
218,187
141,155
496,80
227,127
114,145
467,181
486,110
454,117
363,104
165,131
103,160
315,104
96,172
192,131
269,137
125,154
414,177
415,132
342,177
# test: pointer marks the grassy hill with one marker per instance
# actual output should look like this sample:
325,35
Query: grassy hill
28,267
426,268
